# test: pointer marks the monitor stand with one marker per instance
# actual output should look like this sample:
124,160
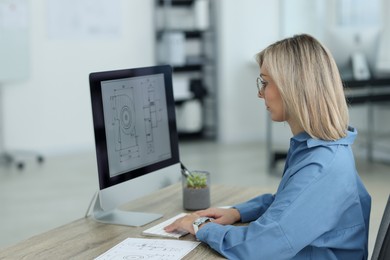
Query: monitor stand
121,217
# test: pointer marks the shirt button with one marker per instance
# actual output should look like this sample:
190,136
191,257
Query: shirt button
292,142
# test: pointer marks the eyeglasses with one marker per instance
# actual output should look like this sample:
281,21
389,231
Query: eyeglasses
261,83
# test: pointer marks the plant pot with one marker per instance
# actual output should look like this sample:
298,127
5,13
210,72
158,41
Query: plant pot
196,198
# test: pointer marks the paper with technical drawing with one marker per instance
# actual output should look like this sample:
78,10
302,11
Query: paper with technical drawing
141,248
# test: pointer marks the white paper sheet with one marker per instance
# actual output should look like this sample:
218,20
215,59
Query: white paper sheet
141,248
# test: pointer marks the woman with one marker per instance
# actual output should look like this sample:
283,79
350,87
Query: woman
321,208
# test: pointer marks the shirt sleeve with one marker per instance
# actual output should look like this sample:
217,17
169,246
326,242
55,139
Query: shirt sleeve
262,239
245,242
254,208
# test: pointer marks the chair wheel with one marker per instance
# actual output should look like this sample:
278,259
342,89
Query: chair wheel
20,165
40,159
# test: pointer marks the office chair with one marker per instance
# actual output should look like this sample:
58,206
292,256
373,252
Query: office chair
15,158
382,242
9,159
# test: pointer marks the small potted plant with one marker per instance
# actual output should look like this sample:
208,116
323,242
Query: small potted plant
196,190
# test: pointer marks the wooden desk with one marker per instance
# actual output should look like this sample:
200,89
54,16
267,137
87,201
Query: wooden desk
87,239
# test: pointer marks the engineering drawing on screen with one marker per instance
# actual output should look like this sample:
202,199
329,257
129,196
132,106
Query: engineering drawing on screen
136,122
123,119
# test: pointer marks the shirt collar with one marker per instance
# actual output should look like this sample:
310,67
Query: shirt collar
311,142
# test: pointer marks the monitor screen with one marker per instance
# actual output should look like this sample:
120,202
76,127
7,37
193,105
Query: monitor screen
135,132
136,122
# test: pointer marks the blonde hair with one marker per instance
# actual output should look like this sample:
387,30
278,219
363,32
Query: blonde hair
309,83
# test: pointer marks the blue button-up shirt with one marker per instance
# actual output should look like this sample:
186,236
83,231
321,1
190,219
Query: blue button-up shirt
321,209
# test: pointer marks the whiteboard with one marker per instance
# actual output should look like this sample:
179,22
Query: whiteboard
14,40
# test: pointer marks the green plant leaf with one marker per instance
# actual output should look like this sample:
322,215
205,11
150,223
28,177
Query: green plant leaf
197,181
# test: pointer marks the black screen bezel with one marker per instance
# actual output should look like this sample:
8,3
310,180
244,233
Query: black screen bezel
95,80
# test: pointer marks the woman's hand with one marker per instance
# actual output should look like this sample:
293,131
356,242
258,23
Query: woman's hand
221,216
183,223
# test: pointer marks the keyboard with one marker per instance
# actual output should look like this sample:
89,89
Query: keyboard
158,230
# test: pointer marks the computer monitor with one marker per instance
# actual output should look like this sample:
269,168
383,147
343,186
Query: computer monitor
382,66
136,139
351,32
344,43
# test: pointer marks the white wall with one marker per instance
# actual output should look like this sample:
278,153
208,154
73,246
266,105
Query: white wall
245,28
51,111
295,17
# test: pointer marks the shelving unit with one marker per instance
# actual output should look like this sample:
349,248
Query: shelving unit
186,39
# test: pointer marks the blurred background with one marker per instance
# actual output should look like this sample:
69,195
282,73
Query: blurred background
48,48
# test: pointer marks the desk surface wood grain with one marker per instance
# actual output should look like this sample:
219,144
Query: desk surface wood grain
87,239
